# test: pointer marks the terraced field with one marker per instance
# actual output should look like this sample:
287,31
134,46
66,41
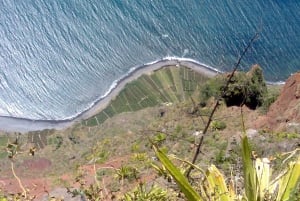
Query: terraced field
167,85
39,138
3,144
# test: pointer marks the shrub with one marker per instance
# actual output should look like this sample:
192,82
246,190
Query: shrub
211,89
159,138
268,99
126,172
141,193
244,88
218,125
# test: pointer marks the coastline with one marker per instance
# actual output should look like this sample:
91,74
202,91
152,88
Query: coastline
146,69
22,125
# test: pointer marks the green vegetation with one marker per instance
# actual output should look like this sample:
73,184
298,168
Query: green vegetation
99,153
182,182
3,143
111,154
126,172
244,89
257,180
269,98
39,138
159,138
141,193
218,125
167,85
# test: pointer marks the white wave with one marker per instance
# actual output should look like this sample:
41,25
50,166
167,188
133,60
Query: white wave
132,70
276,83
193,61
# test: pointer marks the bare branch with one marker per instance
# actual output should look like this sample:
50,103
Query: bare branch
198,150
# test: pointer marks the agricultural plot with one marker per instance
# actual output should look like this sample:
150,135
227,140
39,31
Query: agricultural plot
177,83
39,138
169,84
191,80
91,121
3,144
3,141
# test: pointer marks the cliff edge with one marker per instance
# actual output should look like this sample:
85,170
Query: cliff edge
284,113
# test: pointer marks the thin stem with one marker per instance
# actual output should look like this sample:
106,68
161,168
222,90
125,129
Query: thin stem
95,169
18,179
198,150
243,121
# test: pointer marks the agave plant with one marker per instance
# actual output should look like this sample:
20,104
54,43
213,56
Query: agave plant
282,187
257,180
141,193
257,177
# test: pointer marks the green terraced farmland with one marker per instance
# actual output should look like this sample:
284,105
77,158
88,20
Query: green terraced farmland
3,141
169,84
39,138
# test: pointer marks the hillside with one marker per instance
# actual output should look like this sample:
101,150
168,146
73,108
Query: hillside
284,114
56,148
161,106
167,85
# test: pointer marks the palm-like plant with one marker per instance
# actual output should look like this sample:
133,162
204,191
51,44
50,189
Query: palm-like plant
257,180
141,193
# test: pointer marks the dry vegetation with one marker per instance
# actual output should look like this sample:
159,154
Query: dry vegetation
105,158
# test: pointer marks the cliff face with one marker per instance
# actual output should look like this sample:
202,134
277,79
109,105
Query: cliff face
284,113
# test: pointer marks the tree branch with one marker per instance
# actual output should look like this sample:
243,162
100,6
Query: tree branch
198,150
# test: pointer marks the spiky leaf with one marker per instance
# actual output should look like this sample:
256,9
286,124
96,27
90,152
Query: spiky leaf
217,185
289,181
180,179
249,171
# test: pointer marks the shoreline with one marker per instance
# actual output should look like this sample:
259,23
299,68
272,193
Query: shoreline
23,125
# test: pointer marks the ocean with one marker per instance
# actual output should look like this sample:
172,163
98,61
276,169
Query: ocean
58,57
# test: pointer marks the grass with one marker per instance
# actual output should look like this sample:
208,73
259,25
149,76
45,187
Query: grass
3,143
3,155
123,128
39,138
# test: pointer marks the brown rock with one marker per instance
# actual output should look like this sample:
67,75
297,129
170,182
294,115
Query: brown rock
286,108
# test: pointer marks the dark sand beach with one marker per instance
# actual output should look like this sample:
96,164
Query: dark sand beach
11,124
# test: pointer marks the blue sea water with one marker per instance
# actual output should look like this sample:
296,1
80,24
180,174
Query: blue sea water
57,57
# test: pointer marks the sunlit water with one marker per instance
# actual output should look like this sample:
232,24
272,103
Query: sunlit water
58,57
